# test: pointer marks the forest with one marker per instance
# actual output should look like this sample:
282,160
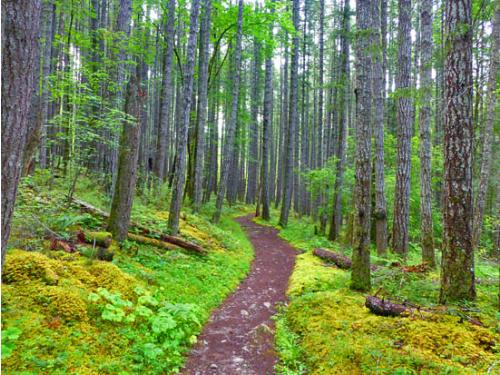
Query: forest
250,187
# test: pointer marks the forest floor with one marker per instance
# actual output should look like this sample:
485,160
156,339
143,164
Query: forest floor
148,311
239,337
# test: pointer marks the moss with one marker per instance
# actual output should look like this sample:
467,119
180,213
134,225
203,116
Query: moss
109,276
99,238
311,274
24,266
63,303
338,335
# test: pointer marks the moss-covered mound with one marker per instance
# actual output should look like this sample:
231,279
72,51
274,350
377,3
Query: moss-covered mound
68,312
338,335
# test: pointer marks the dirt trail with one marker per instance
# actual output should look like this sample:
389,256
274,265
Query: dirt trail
238,338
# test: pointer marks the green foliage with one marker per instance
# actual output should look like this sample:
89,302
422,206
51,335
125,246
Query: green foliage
288,345
9,337
327,330
158,330
140,313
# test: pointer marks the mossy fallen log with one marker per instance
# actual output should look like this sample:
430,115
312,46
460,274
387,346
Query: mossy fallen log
340,260
143,230
150,241
382,307
102,239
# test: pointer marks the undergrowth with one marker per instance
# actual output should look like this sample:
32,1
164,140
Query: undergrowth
71,313
327,330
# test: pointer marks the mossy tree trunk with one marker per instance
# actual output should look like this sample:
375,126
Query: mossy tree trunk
360,276
128,156
401,215
425,135
457,266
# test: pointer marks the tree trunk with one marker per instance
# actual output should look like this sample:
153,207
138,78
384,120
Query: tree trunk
37,130
202,106
343,125
253,136
380,214
425,134
128,156
405,121
492,116
20,43
282,132
228,157
267,125
360,276
292,125
457,266
166,96
180,162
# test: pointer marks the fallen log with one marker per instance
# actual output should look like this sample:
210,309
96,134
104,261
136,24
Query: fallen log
102,239
340,260
143,230
150,241
382,307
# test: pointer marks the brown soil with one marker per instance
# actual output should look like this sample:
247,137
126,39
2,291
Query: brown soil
239,336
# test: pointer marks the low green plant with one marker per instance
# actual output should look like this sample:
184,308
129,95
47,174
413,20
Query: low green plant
159,331
9,337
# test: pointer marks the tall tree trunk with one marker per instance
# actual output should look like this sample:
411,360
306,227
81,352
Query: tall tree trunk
405,123
253,150
457,266
227,160
180,161
360,276
343,125
492,116
123,27
20,44
380,214
166,96
37,130
292,125
202,105
128,156
282,132
267,125
425,134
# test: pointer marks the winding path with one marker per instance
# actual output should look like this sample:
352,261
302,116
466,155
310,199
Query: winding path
239,336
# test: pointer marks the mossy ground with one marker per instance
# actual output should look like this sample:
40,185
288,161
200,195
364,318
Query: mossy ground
46,294
326,329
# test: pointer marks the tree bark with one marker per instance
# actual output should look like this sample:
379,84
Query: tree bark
425,134
128,156
380,214
166,96
343,125
228,157
401,215
457,266
360,276
292,125
180,162
37,130
253,136
20,44
267,125
202,105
